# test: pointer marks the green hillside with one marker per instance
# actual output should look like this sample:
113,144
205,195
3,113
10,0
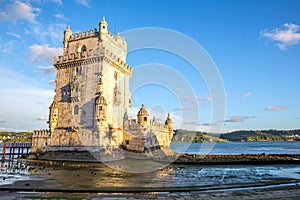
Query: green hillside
193,136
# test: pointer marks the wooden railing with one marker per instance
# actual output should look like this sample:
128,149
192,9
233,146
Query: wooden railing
14,150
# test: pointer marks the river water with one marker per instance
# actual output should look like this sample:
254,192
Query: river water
75,176
231,148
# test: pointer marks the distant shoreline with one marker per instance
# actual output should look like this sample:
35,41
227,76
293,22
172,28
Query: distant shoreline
197,159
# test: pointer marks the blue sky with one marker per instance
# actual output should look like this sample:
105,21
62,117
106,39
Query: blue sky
254,44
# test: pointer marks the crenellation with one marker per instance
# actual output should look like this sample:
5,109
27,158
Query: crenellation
84,35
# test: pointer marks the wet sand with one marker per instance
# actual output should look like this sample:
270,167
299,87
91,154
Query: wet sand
257,159
63,180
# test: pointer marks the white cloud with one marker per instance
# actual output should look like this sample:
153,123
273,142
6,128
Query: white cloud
57,1
19,11
208,124
2,121
47,1
26,31
275,108
60,16
44,51
285,37
47,69
6,129
7,47
205,98
239,118
42,118
196,102
14,34
191,123
180,109
247,94
52,82
82,2
48,32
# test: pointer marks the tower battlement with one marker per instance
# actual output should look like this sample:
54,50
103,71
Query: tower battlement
83,58
84,34
41,133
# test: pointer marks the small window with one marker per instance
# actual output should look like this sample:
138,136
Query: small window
145,118
103,27
76,110
100,108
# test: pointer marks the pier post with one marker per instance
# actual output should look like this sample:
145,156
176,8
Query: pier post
22,150
3,151
13,150
9,147
19,149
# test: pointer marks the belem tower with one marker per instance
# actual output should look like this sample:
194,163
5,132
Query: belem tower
92,101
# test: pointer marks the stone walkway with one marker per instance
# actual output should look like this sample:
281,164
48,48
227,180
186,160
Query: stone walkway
274,193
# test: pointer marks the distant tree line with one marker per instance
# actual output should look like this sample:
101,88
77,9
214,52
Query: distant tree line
262,135
16,136
242,135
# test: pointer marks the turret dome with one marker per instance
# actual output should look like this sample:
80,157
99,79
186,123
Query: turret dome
143,111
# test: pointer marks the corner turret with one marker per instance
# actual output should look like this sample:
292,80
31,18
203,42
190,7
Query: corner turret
101,108
53,115
67,35
169,122
143,117
103,29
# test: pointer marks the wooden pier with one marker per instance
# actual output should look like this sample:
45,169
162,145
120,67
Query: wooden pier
14,150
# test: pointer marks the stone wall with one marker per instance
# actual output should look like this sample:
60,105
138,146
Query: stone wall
40,140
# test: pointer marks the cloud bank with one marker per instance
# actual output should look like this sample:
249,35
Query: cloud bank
47,69
44,52
284,37
239,118
19,11
275,108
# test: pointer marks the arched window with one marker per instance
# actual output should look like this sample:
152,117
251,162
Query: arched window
83,49
76,110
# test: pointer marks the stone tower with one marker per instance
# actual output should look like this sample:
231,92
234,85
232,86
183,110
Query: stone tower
92,89
91,106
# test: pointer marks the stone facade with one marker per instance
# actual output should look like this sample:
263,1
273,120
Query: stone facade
92,100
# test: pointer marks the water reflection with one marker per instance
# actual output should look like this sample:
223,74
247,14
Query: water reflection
72,175
13,170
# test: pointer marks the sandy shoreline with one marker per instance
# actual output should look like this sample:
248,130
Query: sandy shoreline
48,179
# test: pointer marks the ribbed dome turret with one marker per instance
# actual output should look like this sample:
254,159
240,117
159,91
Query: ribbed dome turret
143,111
143,117
100,100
